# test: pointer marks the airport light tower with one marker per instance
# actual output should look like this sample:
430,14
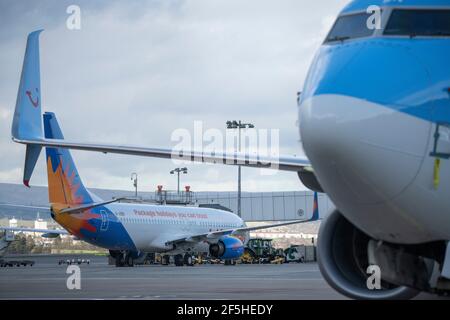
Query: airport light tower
239,125
177,171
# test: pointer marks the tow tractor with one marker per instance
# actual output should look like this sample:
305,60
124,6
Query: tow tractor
259,250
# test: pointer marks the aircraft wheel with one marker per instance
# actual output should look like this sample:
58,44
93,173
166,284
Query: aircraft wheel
179,260
130,261
119,261
165,260
188,260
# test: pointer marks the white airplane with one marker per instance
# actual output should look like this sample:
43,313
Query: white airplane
374,123
128,230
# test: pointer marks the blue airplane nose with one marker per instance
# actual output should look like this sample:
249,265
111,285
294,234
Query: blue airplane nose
356,120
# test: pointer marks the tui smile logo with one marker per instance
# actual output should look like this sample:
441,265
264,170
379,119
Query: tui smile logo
34,103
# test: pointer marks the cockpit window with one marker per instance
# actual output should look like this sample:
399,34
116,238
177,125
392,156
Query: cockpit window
350,27
418,23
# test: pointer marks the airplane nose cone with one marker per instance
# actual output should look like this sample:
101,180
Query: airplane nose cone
360,150
364,147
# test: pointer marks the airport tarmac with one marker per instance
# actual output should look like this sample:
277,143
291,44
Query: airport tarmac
47,280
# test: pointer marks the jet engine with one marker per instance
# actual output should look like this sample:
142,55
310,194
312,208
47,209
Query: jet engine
227,248
343,257
50,235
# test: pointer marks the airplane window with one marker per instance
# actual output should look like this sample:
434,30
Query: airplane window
419,23
350,27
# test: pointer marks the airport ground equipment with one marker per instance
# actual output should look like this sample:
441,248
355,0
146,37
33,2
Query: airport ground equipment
300,253
249,256
277,260
311,253
259,250
16,263
74,261
295,253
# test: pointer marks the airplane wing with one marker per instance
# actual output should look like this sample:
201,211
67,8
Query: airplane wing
285,163
214,235
45,231
27,129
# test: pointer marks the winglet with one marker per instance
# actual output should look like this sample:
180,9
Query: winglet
27,121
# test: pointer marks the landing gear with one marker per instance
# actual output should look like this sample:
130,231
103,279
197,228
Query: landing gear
120,262
122,258
188,260
129,260
178,260
229,262
165,260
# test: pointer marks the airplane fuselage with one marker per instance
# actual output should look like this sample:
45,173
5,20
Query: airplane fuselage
368,118
146,227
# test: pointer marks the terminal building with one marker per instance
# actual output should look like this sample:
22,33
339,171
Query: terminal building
268,206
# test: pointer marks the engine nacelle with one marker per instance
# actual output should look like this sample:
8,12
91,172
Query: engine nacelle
342,252
50,235
227,248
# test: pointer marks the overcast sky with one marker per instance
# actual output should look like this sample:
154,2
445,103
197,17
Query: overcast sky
138,70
